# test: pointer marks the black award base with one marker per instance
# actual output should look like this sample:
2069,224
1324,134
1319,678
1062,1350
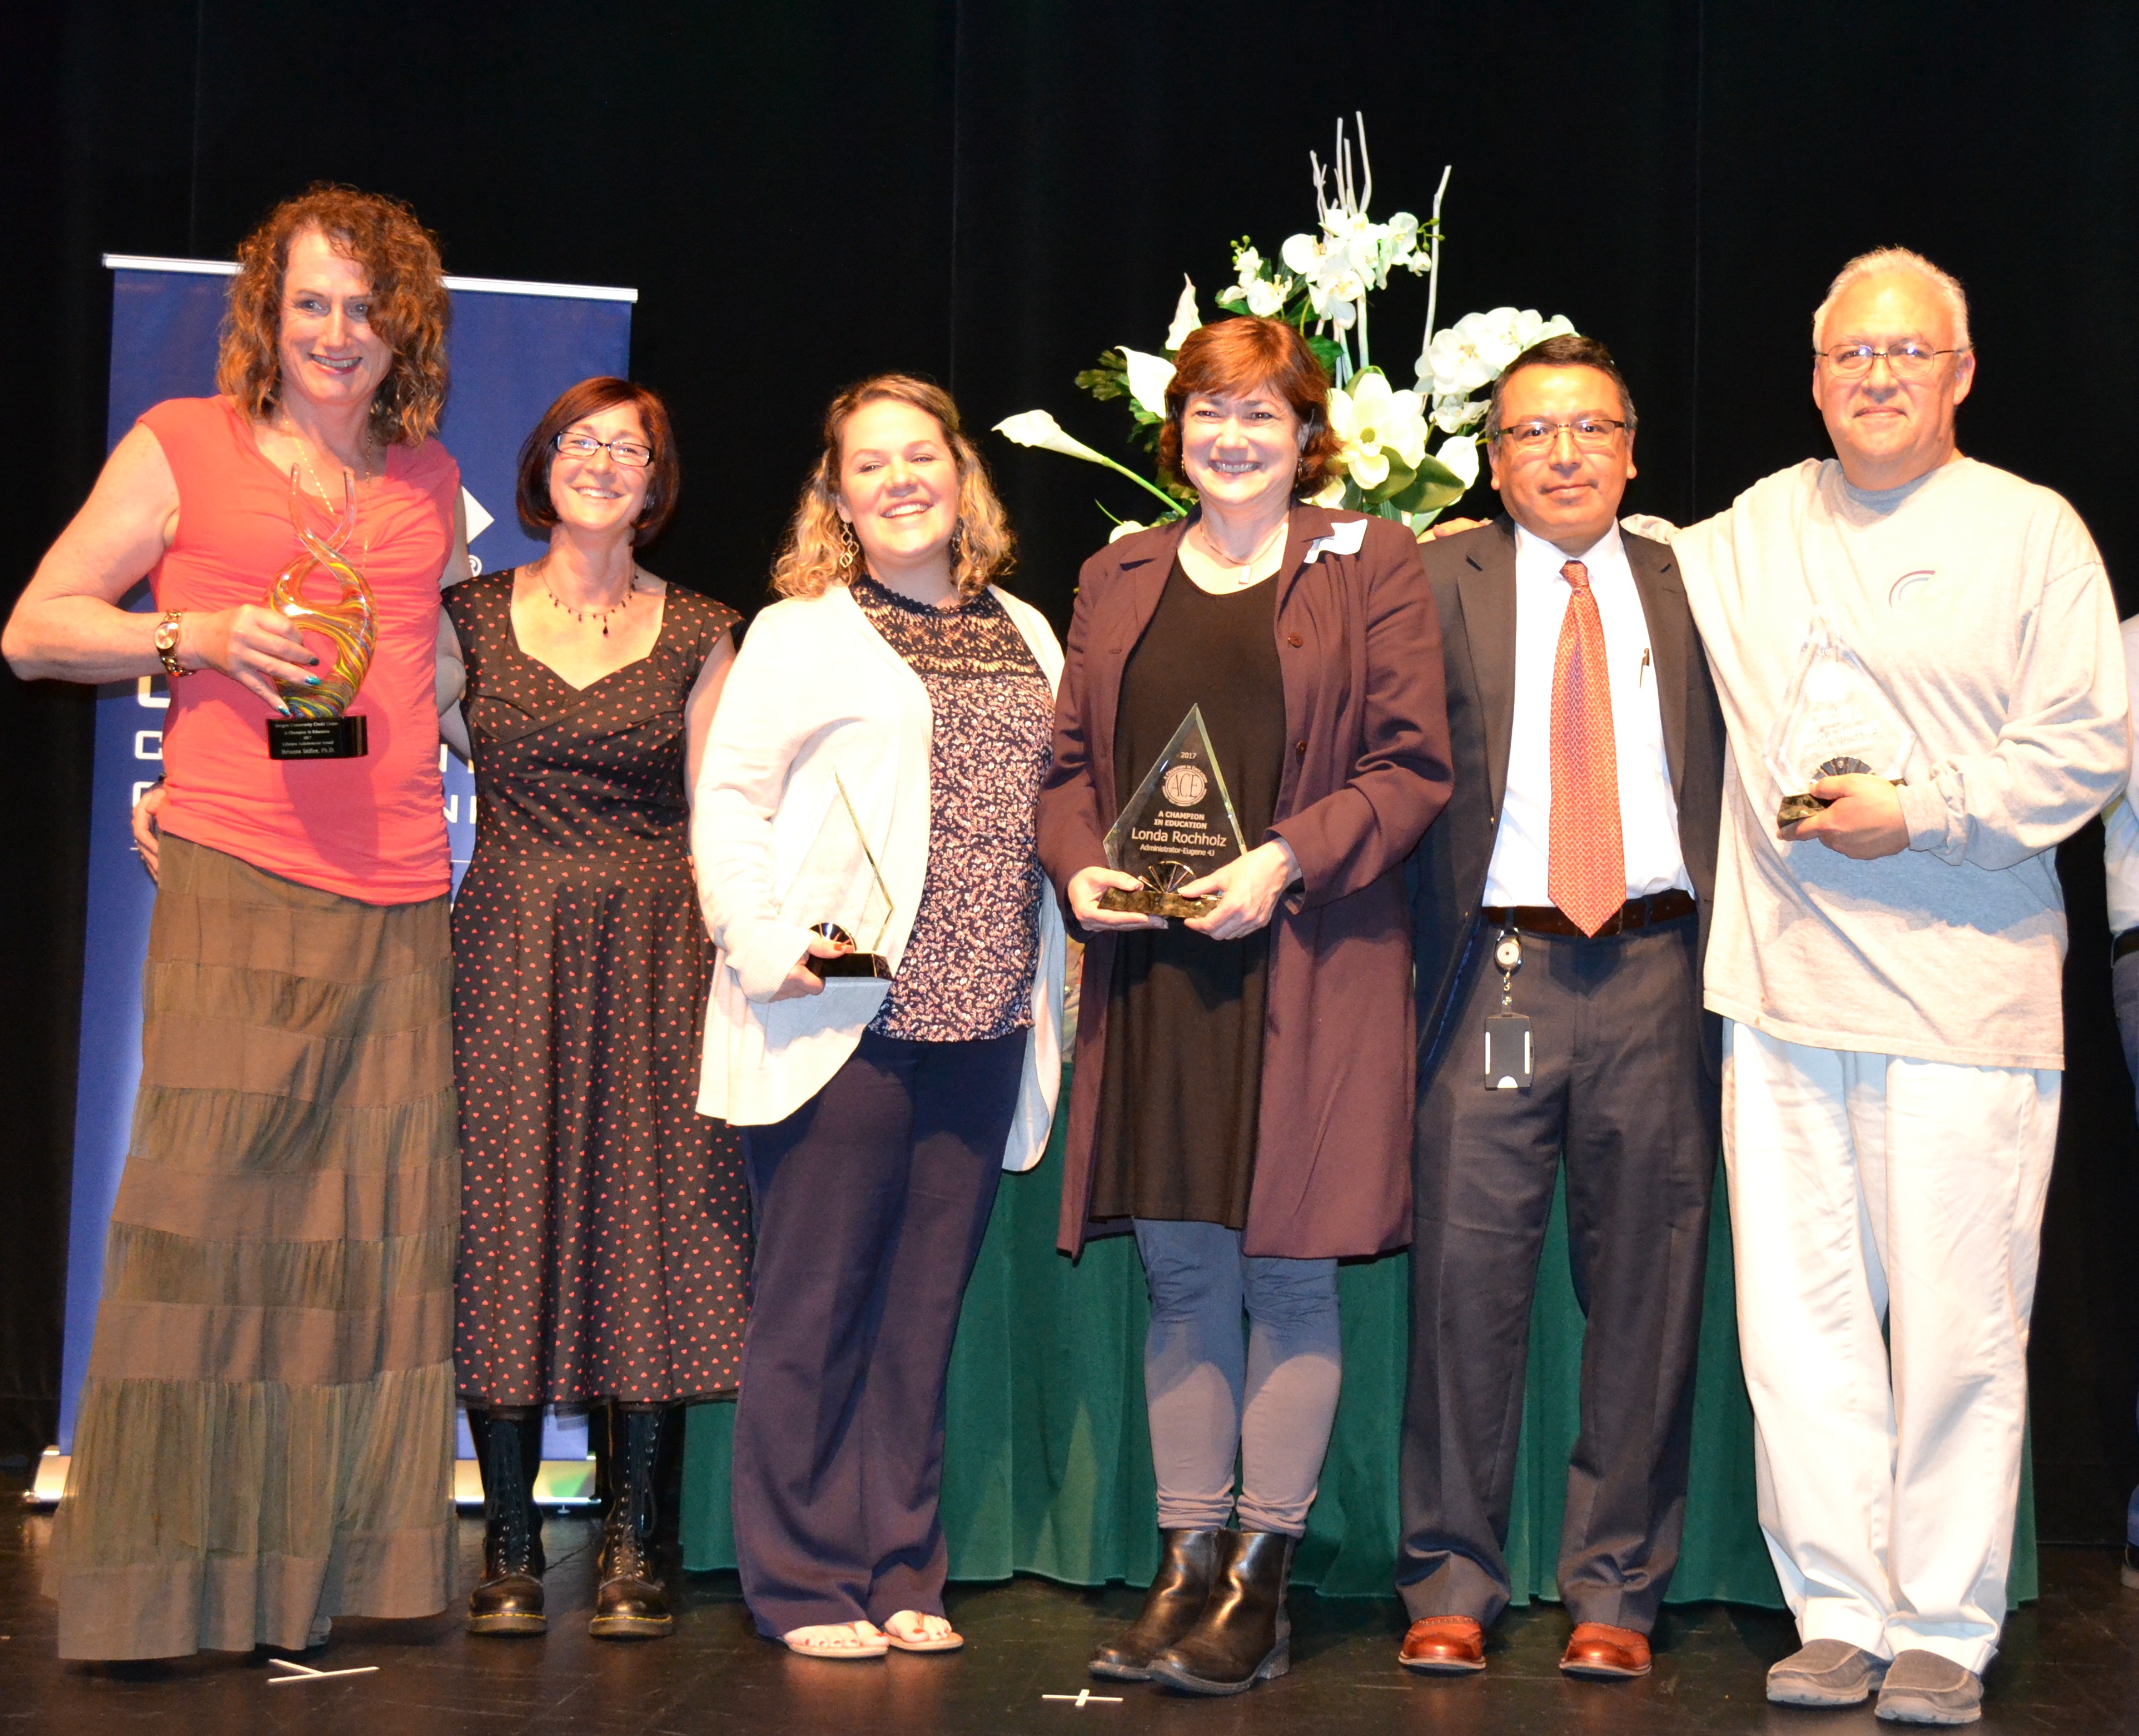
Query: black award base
851,964
1151,901
316,738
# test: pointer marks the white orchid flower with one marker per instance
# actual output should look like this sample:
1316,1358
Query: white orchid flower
1264,297
1454,412
1148,375
1126,527
1459,358
1249,263
1186,319
1461,455
1302,255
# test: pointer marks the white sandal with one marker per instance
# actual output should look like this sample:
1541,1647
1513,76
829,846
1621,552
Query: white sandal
950,1640
841,1642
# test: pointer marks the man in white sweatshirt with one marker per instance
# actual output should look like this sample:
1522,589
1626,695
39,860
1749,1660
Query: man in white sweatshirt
1889,972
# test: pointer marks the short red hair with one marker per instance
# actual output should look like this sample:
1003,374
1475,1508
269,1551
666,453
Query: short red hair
1232,357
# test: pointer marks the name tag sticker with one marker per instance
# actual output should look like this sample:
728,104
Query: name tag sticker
1507,1052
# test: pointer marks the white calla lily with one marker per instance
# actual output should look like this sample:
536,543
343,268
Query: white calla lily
1036,428
1186,319
1126,527
1148,375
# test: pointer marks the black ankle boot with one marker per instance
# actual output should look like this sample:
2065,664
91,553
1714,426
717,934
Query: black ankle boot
508,1447
633,1604
1187,1564
1244,1635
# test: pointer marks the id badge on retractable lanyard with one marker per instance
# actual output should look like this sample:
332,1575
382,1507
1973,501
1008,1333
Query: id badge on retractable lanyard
1508,1033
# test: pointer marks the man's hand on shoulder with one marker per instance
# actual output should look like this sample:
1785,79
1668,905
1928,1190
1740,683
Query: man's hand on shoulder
1862,821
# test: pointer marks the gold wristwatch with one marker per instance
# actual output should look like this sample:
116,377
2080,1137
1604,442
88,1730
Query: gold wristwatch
167,644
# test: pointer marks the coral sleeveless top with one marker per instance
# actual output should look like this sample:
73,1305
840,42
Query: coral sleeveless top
371,829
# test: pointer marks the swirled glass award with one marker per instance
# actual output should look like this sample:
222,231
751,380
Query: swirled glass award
1178,826
318,725
839,893
1835,719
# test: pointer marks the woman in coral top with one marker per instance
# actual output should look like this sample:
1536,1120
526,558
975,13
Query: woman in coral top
266,1433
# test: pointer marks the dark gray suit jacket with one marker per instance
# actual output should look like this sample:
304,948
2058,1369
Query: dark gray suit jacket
1473,576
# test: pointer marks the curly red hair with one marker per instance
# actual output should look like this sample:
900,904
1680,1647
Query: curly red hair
410,307
1232,357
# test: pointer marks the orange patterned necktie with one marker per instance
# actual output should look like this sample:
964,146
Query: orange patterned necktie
1586,862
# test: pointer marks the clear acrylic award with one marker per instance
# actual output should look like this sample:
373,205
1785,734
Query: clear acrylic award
1835,719
840,895
1177,827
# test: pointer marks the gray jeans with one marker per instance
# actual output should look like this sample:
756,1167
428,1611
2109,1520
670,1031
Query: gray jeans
1268,1402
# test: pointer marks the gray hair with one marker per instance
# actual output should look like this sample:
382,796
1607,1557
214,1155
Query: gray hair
1896,259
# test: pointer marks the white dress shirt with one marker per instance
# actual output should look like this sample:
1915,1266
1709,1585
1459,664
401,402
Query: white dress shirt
1648,811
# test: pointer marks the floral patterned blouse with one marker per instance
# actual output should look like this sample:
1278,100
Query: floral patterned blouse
967,972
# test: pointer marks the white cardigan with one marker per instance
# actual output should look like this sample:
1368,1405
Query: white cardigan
816,689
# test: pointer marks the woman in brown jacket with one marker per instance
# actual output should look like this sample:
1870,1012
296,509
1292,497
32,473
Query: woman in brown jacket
1242,1097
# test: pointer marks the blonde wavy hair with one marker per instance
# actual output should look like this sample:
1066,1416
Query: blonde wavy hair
982,546
410,307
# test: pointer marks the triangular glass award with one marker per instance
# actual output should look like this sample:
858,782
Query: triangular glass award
840,895
1835,719
1178,827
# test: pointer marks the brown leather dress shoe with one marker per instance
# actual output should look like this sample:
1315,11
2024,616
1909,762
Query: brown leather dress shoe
1445,1645
1597,1649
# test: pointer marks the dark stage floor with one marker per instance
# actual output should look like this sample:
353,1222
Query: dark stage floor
2070,1665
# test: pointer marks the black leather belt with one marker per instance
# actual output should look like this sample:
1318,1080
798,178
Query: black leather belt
2127,942
1635,913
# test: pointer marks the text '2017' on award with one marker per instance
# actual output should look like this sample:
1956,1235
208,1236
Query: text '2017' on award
1836,720
318,725
1177,827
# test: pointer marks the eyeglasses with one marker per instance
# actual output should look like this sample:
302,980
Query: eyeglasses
1909,359
630,453
1594,433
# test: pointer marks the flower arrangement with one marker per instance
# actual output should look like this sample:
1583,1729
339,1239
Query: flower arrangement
1320,283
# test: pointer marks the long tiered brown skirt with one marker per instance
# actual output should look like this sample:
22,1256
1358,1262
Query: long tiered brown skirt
265,1435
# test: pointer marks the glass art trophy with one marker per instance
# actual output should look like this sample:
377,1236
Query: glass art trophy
318,725
1178,826
1835,721
839,894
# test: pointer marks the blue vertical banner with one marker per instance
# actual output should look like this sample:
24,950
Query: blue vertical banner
514,347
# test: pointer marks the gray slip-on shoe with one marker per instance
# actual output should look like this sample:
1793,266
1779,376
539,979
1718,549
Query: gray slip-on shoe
1825,1673
1922,1687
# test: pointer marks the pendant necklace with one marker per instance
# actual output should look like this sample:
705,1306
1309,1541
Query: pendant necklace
304,457
581,615
1241,577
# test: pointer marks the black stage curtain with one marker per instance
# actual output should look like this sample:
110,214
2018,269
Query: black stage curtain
990,194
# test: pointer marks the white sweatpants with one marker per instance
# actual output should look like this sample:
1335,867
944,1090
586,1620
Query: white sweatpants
1870,1190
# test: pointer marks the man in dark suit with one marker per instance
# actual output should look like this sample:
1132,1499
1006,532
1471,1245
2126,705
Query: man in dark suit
1560,909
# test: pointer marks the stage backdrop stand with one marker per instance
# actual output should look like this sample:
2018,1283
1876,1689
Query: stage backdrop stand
515,346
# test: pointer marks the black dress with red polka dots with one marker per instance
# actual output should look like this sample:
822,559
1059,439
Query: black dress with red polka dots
604,1223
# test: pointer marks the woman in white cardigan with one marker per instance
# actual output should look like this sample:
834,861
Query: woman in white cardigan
884,1019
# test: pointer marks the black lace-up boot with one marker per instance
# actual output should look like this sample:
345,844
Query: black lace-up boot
508,1447
633,1603
1187,1563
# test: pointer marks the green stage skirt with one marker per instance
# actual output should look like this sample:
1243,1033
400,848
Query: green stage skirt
1047,1468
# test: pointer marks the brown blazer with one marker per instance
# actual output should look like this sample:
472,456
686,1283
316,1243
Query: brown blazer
1359,647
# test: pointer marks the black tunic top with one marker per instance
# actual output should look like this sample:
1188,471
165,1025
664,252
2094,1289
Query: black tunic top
1178,1097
